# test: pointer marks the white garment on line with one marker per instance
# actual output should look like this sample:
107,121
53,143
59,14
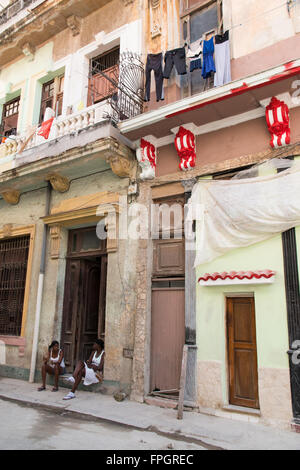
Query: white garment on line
194,52
222,62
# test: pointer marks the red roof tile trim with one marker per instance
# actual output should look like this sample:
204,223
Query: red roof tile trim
267,274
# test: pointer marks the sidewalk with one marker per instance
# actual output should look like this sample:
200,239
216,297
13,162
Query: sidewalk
209,431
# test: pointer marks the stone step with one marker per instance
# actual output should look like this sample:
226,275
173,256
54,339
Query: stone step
104,387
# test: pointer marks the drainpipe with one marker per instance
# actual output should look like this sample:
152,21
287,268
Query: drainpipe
39,292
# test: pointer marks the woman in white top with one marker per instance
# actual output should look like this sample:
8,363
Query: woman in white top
91,370
53,364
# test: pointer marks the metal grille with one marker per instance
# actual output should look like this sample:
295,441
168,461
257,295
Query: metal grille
13,268
122,85
105,61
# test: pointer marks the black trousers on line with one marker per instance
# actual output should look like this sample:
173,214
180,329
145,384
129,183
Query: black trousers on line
175,57
154,62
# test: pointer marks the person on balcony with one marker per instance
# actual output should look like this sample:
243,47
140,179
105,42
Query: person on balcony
91,370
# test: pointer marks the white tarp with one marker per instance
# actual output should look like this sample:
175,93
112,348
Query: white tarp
243,211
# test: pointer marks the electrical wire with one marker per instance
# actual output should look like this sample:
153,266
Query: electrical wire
258,16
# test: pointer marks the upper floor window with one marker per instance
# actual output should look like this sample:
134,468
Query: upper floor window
104,74
10,117
52,96
200,20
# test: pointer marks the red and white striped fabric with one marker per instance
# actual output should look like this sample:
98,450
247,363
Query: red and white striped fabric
186,148
237,277
148,152
267,274
277,116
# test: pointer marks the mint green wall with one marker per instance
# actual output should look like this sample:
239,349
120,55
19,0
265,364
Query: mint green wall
270,305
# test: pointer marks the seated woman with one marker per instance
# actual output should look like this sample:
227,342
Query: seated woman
91,370
53,364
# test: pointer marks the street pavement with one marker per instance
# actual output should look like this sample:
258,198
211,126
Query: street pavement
159,426
27,428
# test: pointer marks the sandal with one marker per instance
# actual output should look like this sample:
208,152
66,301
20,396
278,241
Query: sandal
41,389
54,389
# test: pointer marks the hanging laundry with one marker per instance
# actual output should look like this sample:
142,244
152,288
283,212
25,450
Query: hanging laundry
220,38
154,63
46,128
193,53
175,57
222,59
195,65
208,58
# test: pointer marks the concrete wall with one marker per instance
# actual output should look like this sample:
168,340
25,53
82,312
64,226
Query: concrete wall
121,280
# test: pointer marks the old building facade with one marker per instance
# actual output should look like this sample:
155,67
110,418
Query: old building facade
110,156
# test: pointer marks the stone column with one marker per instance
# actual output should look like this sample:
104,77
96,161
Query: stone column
142,328
190,306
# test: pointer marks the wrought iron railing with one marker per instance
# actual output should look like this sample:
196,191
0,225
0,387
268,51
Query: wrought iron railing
122,86
13,9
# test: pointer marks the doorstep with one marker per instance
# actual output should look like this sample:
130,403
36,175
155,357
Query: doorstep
296,426
168,403
242,409
161,402
239,413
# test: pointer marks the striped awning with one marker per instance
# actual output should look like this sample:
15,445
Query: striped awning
265,276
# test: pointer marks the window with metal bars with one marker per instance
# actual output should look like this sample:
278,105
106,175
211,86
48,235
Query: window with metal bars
13,270
104,76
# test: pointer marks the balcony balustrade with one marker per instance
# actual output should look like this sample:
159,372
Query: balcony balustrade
13,9
62,126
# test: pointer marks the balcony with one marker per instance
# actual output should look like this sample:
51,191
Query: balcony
62,126
34,22
14,8
82,143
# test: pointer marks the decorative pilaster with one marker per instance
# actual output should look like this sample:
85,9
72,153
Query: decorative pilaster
190,298
156,15
55,233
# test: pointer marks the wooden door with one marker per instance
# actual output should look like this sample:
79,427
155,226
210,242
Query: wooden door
242,354
84,306
167,337
71,312
89,311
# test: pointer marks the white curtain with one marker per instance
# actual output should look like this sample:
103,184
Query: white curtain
245,210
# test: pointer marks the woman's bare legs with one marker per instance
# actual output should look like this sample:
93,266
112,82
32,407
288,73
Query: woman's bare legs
45,369
57,371
79,372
